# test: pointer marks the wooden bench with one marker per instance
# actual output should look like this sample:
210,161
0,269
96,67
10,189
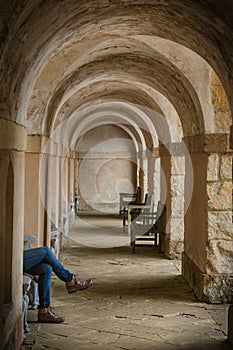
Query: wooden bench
129,198
33,290
55,237
134,209
149,227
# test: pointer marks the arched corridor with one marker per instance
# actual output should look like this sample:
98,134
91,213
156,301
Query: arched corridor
101,97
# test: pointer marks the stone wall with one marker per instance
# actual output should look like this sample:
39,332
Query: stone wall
107,166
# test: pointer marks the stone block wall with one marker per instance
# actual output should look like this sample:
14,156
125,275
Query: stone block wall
207,261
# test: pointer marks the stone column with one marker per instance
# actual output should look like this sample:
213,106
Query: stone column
194,255
34,200
151,169
172,193
13,139
218,280
60,222
71,178
143,172
57,191
76,166
46,191
156,171
71,186
66,209
207,259
165,189
175,225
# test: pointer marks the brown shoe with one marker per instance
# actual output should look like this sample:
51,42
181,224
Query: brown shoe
77,284
46,315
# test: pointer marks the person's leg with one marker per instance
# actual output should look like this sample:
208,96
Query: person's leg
44,271
35,256
45,313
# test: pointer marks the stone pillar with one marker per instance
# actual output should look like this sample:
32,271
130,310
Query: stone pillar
151,166
194,255
60,222
34,203
66,209
175,225
76,166
156,175
71,177
55,188
143,173
46,193
65,182
63,191
219,276
71,187
207,259
13,139
165,190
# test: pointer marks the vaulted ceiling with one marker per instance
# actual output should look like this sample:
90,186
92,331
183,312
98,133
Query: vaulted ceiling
71,63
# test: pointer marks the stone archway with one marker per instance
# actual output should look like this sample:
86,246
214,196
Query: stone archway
94,53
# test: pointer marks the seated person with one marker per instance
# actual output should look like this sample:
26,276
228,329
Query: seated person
41,262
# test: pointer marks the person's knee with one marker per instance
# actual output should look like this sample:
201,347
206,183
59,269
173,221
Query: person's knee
45,249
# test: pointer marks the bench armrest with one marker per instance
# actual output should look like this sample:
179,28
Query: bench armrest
30,240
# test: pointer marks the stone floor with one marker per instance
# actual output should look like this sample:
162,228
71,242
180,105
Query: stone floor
138,301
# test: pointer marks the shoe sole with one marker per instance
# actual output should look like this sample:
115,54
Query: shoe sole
78,290
51,321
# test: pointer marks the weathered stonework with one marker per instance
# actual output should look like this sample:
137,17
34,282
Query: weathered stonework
216,143
219,256
177,203
174,249
194,143
12,136
193,275
218,94
213,167
178,165
217,282
209,288
220,225
220,104
149,69
219,196
218,288
222,120
226,167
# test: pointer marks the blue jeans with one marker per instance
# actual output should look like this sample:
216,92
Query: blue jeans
42,262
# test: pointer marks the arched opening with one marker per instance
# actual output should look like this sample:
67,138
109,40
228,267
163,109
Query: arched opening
120,64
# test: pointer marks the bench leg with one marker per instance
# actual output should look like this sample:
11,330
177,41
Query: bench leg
25,313
35,292
132,240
